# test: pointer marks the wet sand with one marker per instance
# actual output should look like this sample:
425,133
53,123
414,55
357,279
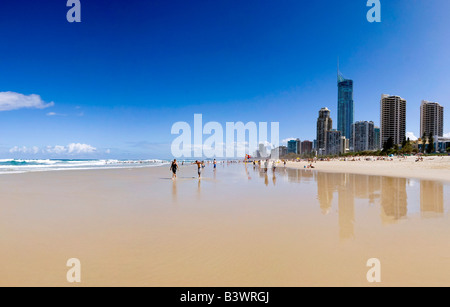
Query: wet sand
431,168
239,227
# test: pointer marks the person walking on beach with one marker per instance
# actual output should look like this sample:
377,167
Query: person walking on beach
274,166
174,168
199,168
266,165
215,164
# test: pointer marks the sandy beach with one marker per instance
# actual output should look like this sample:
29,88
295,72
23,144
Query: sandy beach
431,168
235,227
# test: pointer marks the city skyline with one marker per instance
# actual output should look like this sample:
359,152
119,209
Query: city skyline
114,92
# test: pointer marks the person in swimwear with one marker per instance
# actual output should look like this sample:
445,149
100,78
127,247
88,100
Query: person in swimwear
174,168
199,168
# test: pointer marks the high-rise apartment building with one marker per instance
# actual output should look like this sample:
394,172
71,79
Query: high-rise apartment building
324,124
363,136
292,146
299,146
393,119
377,138
431,119
334,142
307,147
345,106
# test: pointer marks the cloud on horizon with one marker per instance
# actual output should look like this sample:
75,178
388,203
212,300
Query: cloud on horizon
285,141
14,101
411,136
71,149
447,135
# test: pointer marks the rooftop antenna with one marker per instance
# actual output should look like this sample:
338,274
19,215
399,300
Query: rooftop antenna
339,76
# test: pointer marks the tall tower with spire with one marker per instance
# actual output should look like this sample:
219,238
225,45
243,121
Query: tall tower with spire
345,105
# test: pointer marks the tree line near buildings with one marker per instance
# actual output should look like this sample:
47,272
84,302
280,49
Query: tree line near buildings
407,148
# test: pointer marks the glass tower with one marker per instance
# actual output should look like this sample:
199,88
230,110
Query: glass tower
345,106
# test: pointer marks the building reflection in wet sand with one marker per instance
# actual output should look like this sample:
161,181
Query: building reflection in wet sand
431,198
388,192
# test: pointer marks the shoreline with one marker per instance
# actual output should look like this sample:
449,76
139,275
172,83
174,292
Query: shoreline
432,168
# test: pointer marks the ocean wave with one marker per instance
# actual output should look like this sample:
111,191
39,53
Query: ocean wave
10,166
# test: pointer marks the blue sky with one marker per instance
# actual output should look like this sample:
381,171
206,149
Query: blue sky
118,80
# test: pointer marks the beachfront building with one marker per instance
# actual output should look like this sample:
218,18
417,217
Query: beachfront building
307,147
345,145
333,142
345,106
377,138
393,119
279,152
324,124
294,146
262,151
363,136
431,118
441,144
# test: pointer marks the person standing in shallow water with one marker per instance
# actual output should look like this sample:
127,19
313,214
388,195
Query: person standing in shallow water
199,168
174,168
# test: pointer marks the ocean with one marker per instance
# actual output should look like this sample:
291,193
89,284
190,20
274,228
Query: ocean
11,166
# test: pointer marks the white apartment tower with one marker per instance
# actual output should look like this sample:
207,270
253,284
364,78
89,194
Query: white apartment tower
393,119
431,119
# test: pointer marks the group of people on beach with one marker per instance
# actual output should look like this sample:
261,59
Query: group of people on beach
200,166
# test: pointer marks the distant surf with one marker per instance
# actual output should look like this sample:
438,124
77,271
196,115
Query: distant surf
11,166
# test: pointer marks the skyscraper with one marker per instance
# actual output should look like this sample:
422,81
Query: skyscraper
334,141
393,119
377,138
307,147
292,146
345,106
324,124
431,119
363,136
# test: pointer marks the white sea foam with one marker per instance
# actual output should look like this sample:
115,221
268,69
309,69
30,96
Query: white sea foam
14,166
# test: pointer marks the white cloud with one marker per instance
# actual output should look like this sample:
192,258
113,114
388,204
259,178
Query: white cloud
14,101
71,149
285,141
411,136
77,148
447,135
55,114
108,151
24,150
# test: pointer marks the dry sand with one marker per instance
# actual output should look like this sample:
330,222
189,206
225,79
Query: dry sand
239,227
